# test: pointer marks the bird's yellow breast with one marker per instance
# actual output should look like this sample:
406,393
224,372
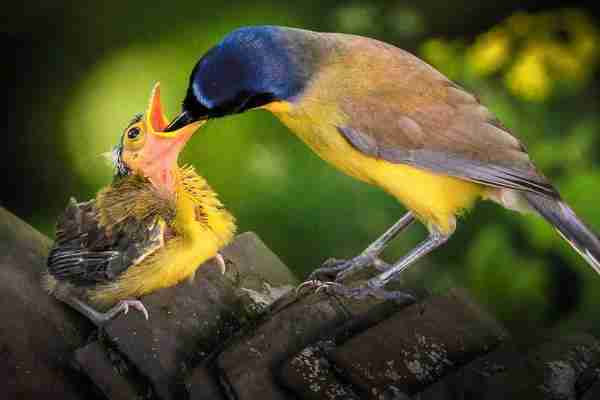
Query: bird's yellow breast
435,199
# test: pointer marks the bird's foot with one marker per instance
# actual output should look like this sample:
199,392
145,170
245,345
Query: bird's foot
335,269
313,284
362,262
123,307
381,265
101,318
369,289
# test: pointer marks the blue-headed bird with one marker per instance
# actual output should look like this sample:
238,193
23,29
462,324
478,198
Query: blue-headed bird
150,229
385,117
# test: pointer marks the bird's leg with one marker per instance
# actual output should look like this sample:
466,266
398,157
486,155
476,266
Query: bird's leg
318,285
380,265
101,318
374,286
343,268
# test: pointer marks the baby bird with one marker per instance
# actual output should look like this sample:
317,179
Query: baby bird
150,229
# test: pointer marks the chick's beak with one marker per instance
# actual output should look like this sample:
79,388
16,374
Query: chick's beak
162,148
159,124
165,145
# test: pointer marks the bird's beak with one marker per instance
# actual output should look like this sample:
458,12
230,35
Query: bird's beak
159,125
182,120
162,149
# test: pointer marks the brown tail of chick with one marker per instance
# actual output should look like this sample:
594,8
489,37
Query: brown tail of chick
569,226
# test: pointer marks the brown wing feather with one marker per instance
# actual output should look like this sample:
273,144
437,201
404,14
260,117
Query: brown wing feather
96,244
407,112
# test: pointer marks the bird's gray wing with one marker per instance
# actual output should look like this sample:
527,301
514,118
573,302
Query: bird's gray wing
412,114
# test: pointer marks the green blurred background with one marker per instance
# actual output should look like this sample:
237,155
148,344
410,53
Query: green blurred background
76,73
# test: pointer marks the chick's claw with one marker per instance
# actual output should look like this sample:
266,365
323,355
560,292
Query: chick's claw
123,306
221,263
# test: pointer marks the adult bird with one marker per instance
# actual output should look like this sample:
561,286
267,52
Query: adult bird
150,229
385,117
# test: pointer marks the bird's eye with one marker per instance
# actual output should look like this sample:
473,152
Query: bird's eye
133,133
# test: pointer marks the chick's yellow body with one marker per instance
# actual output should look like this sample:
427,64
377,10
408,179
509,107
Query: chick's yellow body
200,227
131,241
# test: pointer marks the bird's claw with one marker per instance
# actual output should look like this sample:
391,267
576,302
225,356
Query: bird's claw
337,269
356,293
369,289
304,285
328,270
221,263
326,286
315,284
138,305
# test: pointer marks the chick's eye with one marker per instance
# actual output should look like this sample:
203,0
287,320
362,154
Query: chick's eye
133,133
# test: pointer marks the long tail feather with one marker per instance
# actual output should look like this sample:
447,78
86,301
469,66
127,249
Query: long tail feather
569,226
